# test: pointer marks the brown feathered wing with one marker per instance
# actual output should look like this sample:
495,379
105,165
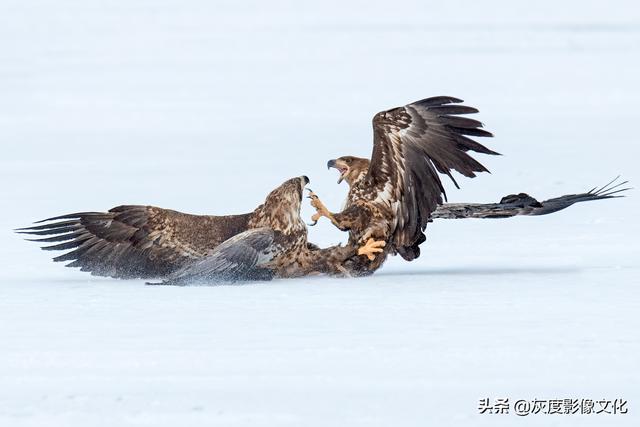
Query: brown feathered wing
134,241
412,144
240,258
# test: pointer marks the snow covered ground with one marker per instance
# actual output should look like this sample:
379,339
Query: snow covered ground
205,106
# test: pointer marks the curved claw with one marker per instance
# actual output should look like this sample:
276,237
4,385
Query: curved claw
312,224
315,217
311,194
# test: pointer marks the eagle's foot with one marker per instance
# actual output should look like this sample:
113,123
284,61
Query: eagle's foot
321,209
372,247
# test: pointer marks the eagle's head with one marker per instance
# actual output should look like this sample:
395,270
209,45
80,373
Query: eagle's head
281,209
351,168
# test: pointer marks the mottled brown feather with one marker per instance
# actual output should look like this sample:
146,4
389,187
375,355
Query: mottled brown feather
412,144
135,241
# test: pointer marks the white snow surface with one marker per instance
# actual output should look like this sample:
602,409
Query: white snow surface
205,106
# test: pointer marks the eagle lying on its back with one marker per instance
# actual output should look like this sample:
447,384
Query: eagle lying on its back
391,199
149,242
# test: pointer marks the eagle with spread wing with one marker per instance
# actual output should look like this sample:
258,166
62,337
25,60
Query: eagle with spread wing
393,196
154,243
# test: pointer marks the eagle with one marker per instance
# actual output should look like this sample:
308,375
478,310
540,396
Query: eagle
395,194
148,242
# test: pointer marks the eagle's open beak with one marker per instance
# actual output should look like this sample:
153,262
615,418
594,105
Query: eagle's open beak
341,168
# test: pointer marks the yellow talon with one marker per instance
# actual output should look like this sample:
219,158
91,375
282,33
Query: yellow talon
319,206
372,247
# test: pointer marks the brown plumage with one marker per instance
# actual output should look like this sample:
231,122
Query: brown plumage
523,204
149,242
392,200
393,196
135,241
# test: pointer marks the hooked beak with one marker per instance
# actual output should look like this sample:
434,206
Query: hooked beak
343,170
304,180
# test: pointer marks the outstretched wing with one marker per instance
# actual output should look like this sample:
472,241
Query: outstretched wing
610,191
134,241
523,204
239,258
411,145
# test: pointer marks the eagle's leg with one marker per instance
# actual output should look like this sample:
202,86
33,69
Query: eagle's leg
321,210
372,247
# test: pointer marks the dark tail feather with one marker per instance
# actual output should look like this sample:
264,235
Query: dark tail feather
523,204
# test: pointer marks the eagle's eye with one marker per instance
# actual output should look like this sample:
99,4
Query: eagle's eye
348,161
